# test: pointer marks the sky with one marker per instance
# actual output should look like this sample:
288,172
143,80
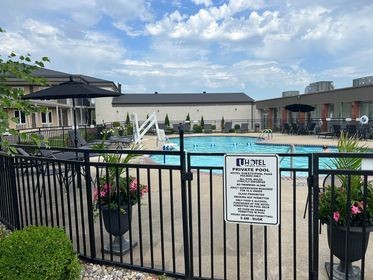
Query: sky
260,47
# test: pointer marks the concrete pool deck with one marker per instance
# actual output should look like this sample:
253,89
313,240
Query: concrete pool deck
290,198
149,142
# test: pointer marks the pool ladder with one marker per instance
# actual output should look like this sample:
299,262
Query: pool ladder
267,131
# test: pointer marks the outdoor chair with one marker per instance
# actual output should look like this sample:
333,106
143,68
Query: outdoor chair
41,169
187,128
175,127
286,128
207,128
337,130
227,127
351,130
294,128
364,131
162,126
310,128
82,143
244,127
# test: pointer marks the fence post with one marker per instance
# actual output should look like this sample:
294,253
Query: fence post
184,205
314,204
91,225
13,184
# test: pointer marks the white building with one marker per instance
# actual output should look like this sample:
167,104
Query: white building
236,107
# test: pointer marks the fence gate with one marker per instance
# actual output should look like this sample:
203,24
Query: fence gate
221,250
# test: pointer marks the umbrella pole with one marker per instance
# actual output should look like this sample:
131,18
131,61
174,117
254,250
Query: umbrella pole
75,130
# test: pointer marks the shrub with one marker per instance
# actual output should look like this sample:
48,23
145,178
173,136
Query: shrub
38,253
187,118
129,129
213,127
128,121
167,120
222,123
232,130
237,126
197,128
116,124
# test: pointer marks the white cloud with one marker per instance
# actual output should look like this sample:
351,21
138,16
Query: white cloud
206,3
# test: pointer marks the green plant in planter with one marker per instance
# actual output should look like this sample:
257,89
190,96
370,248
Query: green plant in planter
38,253
347,145
339,214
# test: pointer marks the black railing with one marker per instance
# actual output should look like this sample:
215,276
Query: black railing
178,228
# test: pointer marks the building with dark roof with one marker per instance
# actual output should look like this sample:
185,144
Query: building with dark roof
60,110
235,106
342,106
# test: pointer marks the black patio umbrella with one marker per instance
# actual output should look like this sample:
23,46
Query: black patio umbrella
72,89
299,108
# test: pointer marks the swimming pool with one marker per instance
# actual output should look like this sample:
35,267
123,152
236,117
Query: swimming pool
236,145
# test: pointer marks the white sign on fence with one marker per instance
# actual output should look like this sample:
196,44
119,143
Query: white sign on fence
252,189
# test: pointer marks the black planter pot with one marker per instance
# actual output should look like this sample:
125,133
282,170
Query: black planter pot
117,224
338,243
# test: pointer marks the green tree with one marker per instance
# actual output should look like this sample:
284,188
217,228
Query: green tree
147,116
167,120
21,67
202,122
128,119
188,118
222,123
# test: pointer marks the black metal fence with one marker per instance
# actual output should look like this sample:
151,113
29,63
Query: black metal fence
178,228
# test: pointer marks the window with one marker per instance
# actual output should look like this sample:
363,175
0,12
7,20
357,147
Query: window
46,117
21,116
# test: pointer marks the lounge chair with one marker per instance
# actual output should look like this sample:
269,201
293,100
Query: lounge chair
227,127
244,128
175,127
207,128
81,143
41,168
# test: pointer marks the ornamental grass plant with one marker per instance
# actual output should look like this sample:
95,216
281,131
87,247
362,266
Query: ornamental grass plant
334,206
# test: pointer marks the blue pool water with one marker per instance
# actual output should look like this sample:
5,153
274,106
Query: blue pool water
236,145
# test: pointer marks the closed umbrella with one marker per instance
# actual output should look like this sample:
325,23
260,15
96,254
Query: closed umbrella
72,89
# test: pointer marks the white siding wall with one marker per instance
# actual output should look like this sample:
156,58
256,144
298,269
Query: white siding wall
105,112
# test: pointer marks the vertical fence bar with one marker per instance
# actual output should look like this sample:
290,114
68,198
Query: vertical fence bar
90,205
184,205
13,183
314,207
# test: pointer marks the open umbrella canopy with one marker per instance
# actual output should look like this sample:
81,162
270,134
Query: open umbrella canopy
71,89
299,108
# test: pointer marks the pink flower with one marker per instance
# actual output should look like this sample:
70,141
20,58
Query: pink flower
144,190
133,185
355,210
102,193
336,216
106,187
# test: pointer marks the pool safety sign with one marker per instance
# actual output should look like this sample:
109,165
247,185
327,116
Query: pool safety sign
252,189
